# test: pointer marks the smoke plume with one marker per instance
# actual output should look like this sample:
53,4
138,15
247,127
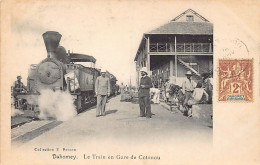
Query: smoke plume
15,112
58,105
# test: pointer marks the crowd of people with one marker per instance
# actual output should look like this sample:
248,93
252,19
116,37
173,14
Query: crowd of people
186,94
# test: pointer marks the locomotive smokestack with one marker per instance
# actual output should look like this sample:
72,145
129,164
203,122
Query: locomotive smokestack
51,40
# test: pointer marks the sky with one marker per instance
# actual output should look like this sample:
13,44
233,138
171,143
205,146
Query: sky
110,31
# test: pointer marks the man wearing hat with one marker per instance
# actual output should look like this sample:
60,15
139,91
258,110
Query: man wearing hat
18,87
102,88
188,86
144,94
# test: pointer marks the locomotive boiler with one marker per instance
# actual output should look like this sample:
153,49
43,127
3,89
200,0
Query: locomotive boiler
59,72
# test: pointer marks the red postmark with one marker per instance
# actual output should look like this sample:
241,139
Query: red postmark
235,80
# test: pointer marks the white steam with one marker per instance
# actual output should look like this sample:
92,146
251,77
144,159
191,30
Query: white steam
15,112
58,105
196,111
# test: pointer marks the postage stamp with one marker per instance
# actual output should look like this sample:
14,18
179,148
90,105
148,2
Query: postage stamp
235,80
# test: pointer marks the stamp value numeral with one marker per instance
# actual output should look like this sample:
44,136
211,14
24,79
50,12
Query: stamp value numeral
236,88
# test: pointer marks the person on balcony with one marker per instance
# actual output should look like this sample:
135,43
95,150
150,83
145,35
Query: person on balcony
188,86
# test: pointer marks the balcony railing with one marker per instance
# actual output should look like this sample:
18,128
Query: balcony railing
181,47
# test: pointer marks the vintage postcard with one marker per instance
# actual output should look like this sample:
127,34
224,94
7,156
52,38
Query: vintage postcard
130,82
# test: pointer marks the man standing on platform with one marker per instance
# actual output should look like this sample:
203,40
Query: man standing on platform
188,86
144,94
122,92
102,88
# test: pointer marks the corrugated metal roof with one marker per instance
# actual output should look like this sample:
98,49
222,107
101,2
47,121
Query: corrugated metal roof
193,28
75,57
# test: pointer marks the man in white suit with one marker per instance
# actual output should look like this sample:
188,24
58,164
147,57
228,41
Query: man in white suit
102,88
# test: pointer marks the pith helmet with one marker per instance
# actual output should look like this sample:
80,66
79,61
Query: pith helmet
189,73
144,69
103,70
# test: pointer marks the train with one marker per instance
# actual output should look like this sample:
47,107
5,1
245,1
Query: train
59,71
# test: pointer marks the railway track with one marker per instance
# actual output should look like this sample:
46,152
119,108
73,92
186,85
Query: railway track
27,129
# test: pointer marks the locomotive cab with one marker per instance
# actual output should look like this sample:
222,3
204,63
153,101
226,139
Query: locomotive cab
81,80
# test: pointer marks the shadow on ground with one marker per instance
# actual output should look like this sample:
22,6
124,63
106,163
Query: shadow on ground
135,100
111,111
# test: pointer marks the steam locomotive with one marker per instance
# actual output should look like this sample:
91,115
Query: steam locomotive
59,72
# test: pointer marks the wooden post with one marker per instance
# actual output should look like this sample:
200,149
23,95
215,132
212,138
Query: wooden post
171,68
148,44
68,84
74,82
175,45
148,57
148,63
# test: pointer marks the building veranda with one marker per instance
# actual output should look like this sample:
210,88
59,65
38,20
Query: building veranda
170,51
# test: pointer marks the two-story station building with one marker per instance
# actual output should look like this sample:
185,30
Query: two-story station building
184,44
